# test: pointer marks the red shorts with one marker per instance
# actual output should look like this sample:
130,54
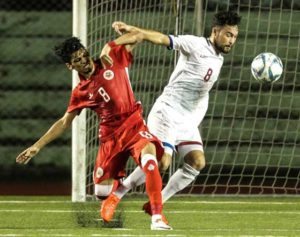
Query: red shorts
128,140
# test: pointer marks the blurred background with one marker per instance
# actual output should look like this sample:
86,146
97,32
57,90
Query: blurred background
35,88
34,92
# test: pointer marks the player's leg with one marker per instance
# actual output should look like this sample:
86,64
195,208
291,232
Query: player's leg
166,159
164,164
137,177
109,205
109,169
103,190
144,152
190,147
110,202
159,124
153,186
141,145
152,177
194,161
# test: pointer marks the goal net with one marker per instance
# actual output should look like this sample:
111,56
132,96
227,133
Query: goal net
251,130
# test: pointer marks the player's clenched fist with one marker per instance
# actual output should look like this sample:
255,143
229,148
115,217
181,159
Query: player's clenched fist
25,156
121,27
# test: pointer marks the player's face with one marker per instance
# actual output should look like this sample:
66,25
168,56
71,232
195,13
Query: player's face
81,61
225,38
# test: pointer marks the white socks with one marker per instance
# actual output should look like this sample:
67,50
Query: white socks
179,180
136,178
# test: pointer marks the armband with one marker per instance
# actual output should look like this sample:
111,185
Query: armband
171,43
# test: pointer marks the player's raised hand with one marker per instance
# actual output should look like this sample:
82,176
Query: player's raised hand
25,156
121,27
104,56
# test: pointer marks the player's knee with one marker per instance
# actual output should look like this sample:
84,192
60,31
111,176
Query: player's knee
148,155
148,159
196,159
165,162
103,189
199,163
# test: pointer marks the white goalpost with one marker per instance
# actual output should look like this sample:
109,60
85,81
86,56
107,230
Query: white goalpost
251,130
79,124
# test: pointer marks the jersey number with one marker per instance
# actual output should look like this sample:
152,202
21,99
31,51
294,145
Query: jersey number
104,94
145,134
208,74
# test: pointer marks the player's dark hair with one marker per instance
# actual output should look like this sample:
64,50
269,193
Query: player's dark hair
226,18
66,48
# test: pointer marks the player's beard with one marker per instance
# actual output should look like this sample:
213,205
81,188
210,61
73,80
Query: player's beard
221,48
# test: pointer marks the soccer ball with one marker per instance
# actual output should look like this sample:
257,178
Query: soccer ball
266,67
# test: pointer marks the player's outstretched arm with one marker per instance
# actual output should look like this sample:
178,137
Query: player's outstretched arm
131,39
54,131
152,36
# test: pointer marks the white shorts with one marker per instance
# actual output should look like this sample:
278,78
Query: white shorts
176,127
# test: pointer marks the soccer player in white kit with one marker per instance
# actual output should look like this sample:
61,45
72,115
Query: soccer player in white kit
179,110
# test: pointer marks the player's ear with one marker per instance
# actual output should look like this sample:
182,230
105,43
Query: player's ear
215,30
69,66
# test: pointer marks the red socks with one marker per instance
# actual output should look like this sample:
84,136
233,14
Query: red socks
153,185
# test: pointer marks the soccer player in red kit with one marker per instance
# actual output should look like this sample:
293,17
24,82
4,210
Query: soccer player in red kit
106,90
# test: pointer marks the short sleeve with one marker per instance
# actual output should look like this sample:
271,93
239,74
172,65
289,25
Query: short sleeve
122,56
184,43
75,103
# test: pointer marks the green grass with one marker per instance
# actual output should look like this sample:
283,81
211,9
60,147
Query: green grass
193,216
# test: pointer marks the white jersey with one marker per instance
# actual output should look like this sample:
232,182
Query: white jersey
197,70
177,113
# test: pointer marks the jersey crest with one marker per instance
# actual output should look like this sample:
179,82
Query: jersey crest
108,74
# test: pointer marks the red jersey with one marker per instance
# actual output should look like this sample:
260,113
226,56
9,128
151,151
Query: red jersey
108,92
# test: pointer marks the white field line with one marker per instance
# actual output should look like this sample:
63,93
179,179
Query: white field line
174,202
203,231
31,202
172,212
168,235
11,235
180,230
213,230
126,235
95,235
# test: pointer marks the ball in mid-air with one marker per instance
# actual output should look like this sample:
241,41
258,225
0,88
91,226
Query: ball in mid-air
266,67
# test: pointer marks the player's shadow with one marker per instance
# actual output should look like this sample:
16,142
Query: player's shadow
86,214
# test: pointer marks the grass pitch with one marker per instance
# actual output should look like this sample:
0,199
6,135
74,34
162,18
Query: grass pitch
192,216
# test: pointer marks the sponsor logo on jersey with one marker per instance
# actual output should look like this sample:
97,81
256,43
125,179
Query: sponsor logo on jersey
90,96
108,74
